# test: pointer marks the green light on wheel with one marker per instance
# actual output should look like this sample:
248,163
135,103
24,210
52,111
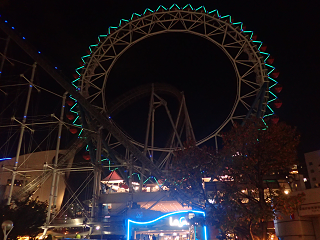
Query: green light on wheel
273,94
188,5
161,7
265,54
202,8
227,16
174,5
269,66
135,15
123,20
270,108
272,79
80,132
147,10
76,119
249,32
110,29
215,12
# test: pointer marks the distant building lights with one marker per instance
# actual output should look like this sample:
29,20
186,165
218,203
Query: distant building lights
286,191
305,179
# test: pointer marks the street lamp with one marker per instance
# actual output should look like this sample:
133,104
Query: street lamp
7,226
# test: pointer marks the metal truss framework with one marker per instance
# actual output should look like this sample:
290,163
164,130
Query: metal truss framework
244,53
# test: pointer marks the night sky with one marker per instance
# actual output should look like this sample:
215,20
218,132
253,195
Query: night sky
63,30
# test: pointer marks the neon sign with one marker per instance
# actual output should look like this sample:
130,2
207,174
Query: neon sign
178,222
182,220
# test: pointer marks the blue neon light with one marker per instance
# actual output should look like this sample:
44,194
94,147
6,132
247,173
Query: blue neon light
4,159
166,215
205,232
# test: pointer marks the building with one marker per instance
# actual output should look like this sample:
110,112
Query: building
313,165
33,168
304,224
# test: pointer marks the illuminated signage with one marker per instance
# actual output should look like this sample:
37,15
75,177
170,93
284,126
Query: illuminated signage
178,222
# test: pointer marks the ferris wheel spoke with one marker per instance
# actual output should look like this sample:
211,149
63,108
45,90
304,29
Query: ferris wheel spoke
195,25
250,94
93,96
240,51
246,105
251,84
249,71
240,117
217,31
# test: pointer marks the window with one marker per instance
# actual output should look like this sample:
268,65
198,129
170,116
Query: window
312,171
310,163
314,179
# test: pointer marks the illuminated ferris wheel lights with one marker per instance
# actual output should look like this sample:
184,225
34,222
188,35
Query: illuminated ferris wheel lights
161,9
263,47
135,16
147,11
201,9
123,22
112,30
188,7
256,48
174,7
215,13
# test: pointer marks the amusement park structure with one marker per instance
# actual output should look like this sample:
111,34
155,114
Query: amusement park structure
137,169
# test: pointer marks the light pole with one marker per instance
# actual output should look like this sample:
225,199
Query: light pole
7,226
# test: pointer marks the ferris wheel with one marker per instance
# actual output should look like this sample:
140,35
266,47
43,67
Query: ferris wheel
255,76
255,82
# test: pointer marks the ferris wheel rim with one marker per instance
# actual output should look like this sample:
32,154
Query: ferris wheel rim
247,42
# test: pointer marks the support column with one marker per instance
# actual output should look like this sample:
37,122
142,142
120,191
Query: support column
15,167
54,184
97,176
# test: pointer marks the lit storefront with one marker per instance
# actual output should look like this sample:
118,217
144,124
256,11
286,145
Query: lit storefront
180,225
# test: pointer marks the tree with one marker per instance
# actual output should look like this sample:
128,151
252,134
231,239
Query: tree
27,215
242,203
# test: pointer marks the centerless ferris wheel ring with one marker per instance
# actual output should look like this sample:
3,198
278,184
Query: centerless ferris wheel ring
255,76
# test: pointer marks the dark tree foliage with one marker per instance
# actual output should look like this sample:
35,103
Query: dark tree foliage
27,215
241,203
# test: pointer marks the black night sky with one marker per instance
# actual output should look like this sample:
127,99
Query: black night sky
63,30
